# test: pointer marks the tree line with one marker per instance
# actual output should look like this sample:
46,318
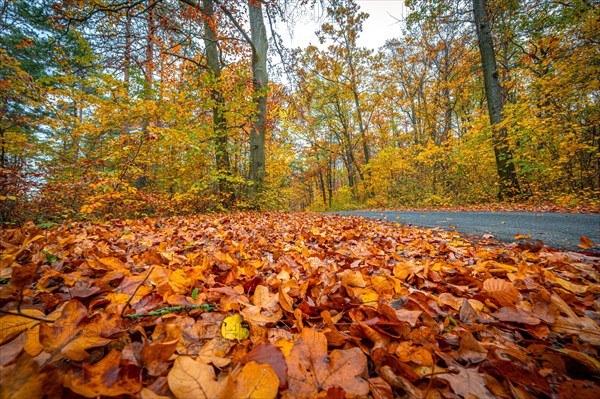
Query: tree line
129,108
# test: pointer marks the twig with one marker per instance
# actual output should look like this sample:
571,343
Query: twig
25,315
136,290
170,309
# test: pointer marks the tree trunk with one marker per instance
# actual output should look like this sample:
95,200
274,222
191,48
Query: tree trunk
219,123
127,65
260,83
149,70
509,184
322,187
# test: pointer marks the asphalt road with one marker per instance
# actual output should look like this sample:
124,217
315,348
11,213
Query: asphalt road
557,230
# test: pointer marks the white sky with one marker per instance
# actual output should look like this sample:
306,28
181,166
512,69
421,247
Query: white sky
379,27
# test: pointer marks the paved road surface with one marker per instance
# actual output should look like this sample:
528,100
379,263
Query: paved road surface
558,230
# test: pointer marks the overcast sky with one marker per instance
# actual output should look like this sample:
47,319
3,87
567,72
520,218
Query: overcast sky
379,27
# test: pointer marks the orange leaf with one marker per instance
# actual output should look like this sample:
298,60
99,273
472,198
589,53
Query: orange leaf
586,243
105,378
502,291
22,381
257,381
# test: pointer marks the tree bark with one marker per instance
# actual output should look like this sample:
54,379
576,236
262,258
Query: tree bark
127,66
509,184
219,123
260,82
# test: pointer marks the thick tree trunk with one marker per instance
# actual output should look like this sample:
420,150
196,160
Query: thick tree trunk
509,184
219,123
260,83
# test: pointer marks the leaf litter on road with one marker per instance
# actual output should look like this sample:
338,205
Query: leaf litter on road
291,305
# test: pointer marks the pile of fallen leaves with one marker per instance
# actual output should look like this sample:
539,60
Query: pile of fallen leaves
292,305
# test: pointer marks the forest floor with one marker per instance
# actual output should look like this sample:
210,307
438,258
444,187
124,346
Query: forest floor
291,305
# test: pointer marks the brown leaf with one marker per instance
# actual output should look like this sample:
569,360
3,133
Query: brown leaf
467,314
267,353
407,352
105,378
577,389
516,316
311,371
64,328
22,380
502,291
468,381
194,379
380,389
214,351
470,350
155,357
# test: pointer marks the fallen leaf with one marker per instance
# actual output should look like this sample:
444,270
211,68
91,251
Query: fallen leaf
23,381
516,316
155,356
105,378
257,381
471,350
501,291
586,243
13,325
311,371
267,353
380,389
232,328
194,379
468,382
214,351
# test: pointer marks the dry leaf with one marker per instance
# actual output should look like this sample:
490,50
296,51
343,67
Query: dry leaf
312,371
105,378
194,379
502,291
257,381
232,328
468,381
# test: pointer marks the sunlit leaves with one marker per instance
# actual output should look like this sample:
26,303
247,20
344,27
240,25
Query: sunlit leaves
303,305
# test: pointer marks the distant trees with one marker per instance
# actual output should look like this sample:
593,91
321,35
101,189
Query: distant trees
477,100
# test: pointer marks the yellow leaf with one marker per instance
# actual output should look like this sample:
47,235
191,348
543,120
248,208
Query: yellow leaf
232,328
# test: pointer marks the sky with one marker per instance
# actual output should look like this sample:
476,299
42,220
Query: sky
381,25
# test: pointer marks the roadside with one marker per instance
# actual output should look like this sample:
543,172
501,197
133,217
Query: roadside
498,207
556,230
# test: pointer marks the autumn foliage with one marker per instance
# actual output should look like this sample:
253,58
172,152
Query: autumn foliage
264,305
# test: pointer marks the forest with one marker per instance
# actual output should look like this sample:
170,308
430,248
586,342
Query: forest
166,165
164,107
